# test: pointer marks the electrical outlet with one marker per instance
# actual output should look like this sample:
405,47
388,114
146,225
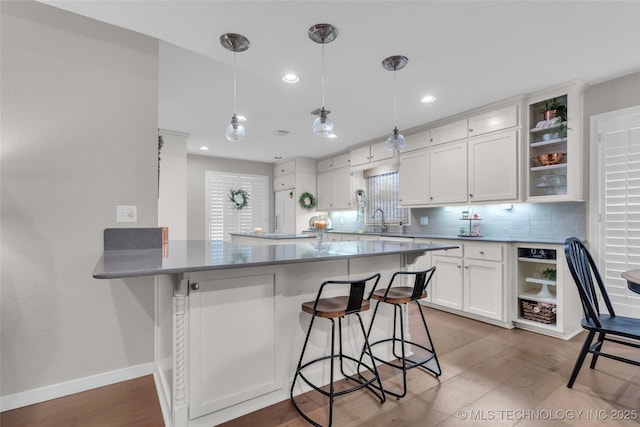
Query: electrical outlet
126,214
424,220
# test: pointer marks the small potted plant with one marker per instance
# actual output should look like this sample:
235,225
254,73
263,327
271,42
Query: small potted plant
555,112
549,274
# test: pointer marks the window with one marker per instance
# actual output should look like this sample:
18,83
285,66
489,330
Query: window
382,191
221,215
618,210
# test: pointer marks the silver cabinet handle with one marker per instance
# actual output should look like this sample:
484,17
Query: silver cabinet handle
470,130
195,286
481,252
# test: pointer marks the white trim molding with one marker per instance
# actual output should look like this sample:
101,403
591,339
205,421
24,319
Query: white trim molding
29,397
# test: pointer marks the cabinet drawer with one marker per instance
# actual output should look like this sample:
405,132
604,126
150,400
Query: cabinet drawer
284,182
451,132
491,121
284,168
484,252
453,253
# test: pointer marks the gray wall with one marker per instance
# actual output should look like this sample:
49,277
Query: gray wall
79,136
196,168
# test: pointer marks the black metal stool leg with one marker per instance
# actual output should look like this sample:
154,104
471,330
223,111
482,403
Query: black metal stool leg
432,349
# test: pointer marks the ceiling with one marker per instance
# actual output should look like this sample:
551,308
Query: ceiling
466,53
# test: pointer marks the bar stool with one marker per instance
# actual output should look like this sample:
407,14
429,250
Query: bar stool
339,307
399,296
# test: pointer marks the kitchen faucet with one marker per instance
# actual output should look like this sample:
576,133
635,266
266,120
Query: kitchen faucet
383,226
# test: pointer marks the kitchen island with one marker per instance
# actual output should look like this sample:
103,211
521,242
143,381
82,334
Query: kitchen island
228,319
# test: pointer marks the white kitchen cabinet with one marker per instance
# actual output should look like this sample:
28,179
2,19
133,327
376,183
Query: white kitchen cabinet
334,190
494,120
414,169
335,162
371,156
483,285
450,132
291,179
561,180
447,281
470,281
448,173
417,141
493,167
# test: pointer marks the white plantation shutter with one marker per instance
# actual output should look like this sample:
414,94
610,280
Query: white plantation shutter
619,204
382,193
221,215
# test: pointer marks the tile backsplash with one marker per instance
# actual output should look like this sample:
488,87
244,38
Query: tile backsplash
523,220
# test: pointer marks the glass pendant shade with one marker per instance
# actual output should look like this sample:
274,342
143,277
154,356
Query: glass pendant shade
323,125
235,131
396,141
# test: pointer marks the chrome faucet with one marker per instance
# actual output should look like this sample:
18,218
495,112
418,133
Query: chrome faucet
383,226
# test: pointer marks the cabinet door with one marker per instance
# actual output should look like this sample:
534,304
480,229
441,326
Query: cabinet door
449,132
324,165
493,167
380,152
414,179
341,161
342,194
483,288
284,168
284,182
325,191
360,156
217,377
416,141
448,173
495,120
447,282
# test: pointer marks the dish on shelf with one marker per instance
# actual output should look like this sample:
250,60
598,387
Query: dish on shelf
551,180
549,158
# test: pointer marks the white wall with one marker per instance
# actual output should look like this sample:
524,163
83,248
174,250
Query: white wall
79,136
172,198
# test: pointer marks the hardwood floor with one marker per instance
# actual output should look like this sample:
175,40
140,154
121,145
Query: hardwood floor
491,376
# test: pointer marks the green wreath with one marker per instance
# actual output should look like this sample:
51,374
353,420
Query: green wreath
307,201
234,196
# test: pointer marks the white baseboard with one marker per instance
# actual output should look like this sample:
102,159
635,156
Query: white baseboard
18,400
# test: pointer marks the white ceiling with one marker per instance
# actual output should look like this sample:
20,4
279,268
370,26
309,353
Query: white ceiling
467,53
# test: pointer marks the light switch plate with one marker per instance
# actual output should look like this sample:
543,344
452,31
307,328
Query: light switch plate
424,220
126,214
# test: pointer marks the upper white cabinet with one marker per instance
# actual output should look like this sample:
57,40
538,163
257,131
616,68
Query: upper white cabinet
493,167
414,179
555,160
336,162
448,173
417,141
450,132
334,190
494,120
371,155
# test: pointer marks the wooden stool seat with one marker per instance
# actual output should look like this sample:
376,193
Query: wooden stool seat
396,295
330,308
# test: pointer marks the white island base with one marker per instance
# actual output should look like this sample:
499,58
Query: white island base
228,341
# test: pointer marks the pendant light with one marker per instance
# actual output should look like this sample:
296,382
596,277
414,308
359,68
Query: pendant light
323,34
235,43
395,142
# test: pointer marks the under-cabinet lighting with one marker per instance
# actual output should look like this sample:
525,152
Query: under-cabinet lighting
427,99
506,206
290,78
204,148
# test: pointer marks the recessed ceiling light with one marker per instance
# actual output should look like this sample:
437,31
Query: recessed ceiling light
242,119
428,99
290,78
204,148
277,157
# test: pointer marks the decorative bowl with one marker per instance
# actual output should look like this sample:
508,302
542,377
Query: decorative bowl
550,158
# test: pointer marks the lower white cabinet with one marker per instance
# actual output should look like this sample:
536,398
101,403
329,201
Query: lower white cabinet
471,280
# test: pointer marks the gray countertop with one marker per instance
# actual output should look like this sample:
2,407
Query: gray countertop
553,241
181,256
274,236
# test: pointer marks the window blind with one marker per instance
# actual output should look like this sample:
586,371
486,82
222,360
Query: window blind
382,193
